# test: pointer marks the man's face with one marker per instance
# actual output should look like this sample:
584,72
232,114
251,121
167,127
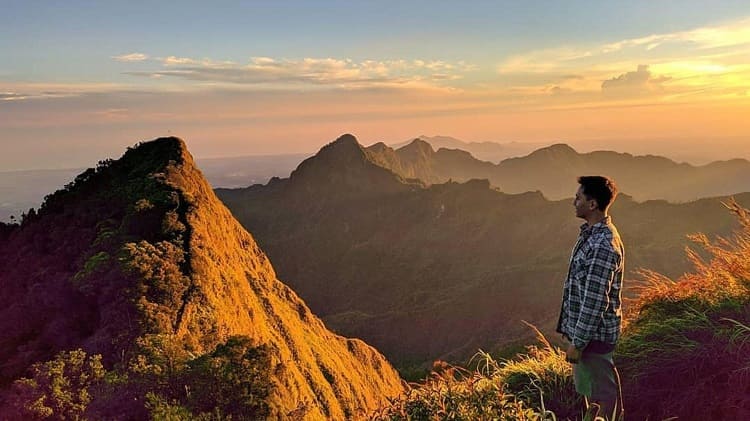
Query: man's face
583,206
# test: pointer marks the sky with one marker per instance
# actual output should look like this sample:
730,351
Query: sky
82,80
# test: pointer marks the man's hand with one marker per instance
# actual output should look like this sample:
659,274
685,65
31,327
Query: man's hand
573,354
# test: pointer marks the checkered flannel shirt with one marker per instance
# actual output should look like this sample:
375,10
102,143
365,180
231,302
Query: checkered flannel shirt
591,294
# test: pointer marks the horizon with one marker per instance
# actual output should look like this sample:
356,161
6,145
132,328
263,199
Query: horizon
82,82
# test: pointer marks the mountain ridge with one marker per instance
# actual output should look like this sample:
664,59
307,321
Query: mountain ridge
152,241
550,169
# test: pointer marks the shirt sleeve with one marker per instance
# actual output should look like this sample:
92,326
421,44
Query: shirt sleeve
603,262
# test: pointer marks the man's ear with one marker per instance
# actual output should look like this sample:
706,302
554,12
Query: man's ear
593,204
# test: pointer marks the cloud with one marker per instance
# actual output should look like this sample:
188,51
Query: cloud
12,96
696,63
132,57
176,61
15,96
312,71
731,34
716,42
638,82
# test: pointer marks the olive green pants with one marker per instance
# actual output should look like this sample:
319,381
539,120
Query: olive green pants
596,377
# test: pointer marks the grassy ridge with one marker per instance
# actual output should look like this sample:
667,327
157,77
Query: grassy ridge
684,353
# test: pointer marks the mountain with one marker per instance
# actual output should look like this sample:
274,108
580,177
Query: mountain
645,177
552,169
485,151
139,262
22,190
418,160
426,272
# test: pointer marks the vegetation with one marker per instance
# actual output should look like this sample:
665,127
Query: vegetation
233,382
686,348
534,386
683,354
60,388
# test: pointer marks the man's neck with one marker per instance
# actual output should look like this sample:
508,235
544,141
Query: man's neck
595,218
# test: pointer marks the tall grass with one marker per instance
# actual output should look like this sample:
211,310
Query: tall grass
534,386
685,350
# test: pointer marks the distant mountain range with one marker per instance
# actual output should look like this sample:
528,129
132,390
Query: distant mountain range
485,151
552,169
437,159
139,262
437,271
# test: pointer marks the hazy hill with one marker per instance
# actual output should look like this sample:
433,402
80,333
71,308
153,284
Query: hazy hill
138,261
486,151
550,169
438,271
644,177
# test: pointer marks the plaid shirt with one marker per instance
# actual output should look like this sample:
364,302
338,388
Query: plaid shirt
591,294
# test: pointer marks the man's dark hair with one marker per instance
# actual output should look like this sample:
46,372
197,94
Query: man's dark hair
602,189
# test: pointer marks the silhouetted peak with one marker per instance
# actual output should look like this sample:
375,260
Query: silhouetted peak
379,147
345,147
345,163
557,150
454,153
345,139
159,152
560,148
416,150
419,145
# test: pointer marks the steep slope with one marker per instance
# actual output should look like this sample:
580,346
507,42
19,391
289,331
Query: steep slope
138,257
437,272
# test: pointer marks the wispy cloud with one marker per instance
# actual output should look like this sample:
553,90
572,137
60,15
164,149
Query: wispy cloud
731,34
132,57
696,43
702,62
37,94
337,72
12,96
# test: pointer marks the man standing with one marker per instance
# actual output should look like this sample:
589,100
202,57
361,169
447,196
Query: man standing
590,318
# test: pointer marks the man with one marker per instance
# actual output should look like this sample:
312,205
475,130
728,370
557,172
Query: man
590,318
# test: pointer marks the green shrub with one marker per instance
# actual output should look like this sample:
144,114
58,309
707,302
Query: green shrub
59,389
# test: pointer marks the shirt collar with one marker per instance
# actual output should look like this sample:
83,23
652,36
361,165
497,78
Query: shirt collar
586,230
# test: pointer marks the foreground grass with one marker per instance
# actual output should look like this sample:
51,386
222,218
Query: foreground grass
537,386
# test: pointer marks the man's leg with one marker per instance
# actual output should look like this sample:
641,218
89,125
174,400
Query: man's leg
596,377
